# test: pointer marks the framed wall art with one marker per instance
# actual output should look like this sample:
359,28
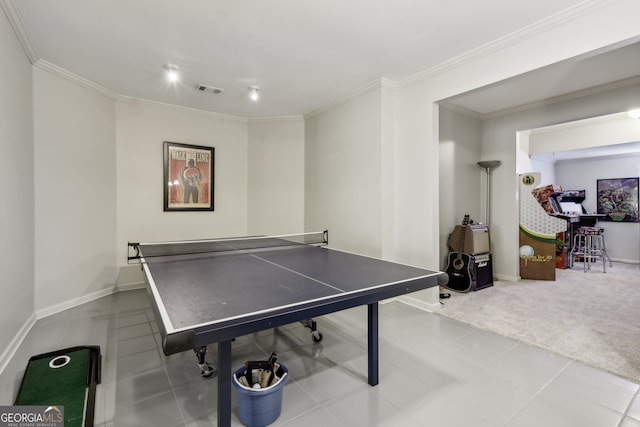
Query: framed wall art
188,177
618,199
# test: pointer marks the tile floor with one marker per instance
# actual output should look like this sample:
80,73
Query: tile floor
433,371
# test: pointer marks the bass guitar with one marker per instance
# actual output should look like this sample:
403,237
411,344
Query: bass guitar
459,266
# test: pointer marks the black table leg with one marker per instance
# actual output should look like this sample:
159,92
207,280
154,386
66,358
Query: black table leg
224,383
373,346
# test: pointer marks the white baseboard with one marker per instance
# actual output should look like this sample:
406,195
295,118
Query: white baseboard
15,343
129,286
55,309
626,261
419,303
87,298
507,278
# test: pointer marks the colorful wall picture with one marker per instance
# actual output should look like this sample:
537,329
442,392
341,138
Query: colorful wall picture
188,177
618,199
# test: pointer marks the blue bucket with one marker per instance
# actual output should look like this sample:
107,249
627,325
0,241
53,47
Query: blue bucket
262,406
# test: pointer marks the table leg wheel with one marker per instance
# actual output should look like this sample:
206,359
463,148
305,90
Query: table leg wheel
206,370
317,336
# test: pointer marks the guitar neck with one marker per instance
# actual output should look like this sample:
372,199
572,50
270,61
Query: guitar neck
463,229
461,245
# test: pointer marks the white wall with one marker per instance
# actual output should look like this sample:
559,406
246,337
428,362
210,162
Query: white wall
17,207
416,180
276,176
547,171
460,186
343,174
582,174
75,176
352,166
387,172
141,130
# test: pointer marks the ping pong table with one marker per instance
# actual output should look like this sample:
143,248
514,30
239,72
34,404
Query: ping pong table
211,291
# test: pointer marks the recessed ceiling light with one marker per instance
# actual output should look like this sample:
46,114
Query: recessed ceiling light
172,73
253,93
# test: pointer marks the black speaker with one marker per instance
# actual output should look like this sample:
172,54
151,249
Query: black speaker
481,271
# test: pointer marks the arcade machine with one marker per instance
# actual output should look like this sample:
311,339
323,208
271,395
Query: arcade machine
540,230
568,205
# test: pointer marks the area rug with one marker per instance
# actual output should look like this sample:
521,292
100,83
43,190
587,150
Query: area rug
591,317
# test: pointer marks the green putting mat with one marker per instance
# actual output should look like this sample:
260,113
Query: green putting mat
64,378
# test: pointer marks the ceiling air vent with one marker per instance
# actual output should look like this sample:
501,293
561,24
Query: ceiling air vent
211,89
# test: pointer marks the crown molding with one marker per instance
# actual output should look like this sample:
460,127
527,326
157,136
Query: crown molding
74,78
461,110
131,100
298,118
388,84
597,158
381,83
19,29
515,37
88,84
539,104
631,81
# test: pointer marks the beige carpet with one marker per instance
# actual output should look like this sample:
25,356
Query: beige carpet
591,317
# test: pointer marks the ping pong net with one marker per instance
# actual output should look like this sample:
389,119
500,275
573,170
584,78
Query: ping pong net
234,244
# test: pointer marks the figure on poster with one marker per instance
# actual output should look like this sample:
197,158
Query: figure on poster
191,179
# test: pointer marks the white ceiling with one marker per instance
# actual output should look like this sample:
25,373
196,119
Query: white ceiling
303,54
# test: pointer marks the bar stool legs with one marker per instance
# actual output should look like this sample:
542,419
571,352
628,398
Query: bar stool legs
603,252
589,244
579,249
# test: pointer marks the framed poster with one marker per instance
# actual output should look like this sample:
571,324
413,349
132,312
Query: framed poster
188,177
618,199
